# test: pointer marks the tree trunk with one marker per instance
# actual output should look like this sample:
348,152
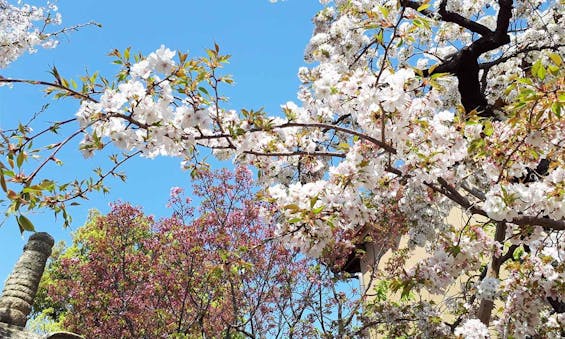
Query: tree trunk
486,306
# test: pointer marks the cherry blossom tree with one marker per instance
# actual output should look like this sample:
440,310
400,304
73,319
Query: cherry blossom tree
128,276
408,110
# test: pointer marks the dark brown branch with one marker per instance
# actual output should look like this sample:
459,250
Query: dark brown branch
451,193
324,127
415,5
472,299
547,223
447,16
464,64
486,306
500,36
488,65
473,191
295,153
460,20
49,84
557,305
509,254
363,136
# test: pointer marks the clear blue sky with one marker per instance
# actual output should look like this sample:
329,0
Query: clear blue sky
266,42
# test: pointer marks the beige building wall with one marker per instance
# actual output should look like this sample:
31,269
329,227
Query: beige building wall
376,257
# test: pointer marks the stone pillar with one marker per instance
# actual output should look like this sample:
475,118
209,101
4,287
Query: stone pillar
21,286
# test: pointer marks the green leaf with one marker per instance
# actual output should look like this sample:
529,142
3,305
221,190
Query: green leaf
538,70
488,129
210,53
203,90
3,181
25,224
32,189
380,36
526,81
20,159
384,11
518,253
48,185
56,75
292,207
381,290
423,7
454,250
343,146
556,108
313,201
318,210
437,75
556,58
406,293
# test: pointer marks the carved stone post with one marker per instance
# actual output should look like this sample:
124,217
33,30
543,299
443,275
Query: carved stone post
21,286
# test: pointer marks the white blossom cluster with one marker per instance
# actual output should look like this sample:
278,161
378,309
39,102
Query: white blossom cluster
373,144
134,117
297,201
506,202
539,279
487,288
427,216
472,329
379,102
22,29
445,265
399,318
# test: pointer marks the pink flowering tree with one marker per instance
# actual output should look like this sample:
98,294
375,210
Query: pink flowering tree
408,110
216,270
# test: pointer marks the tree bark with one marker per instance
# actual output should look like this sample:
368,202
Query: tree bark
486,306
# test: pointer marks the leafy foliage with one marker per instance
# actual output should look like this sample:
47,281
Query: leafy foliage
127,275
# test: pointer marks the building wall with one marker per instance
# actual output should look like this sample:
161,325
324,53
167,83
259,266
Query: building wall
376,257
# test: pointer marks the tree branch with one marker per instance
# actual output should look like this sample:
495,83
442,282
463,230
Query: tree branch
50,84
488,65
447,16
415,5
294,153
363,136
464,64
486,306
451,193
547,223
460,20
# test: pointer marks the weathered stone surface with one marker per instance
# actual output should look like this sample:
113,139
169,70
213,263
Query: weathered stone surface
21,286
12,316
20,289
63,335
16,292
16,332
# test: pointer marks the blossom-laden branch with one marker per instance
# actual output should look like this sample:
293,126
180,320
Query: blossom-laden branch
547,223
377,149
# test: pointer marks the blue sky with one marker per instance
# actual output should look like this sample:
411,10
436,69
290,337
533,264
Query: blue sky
266,42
